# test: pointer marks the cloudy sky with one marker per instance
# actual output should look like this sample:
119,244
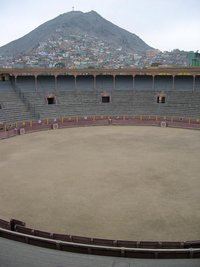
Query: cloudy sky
163,24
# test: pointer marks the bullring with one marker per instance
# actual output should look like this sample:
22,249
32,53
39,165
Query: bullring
76,98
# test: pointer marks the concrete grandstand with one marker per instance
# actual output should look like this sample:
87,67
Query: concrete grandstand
39,94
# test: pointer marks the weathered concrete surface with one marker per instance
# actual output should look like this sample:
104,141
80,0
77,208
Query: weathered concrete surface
15,254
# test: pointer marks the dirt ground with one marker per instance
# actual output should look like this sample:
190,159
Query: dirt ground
119,182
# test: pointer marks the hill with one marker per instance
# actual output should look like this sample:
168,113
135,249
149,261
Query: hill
79,23
76,40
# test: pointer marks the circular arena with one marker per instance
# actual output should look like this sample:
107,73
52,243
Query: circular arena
116,182
122,188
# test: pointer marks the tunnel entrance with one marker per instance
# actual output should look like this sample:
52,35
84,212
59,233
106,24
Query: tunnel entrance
161,99
105,99
51,100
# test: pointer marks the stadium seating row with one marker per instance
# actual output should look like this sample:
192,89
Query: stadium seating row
20,102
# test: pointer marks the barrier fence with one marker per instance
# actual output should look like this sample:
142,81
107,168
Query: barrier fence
19,128
17,230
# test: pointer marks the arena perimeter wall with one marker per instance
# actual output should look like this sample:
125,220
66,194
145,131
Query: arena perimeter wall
19,128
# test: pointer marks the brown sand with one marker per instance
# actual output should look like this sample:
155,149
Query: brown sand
134,183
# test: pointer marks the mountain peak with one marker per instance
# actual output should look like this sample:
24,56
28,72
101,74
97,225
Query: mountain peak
79,12
93,12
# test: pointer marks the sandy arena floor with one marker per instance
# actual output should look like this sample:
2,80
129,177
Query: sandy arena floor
134,183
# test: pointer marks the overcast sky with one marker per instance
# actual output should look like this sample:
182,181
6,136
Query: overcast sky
162,24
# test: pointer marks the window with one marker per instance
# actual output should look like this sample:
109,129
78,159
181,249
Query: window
105,99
